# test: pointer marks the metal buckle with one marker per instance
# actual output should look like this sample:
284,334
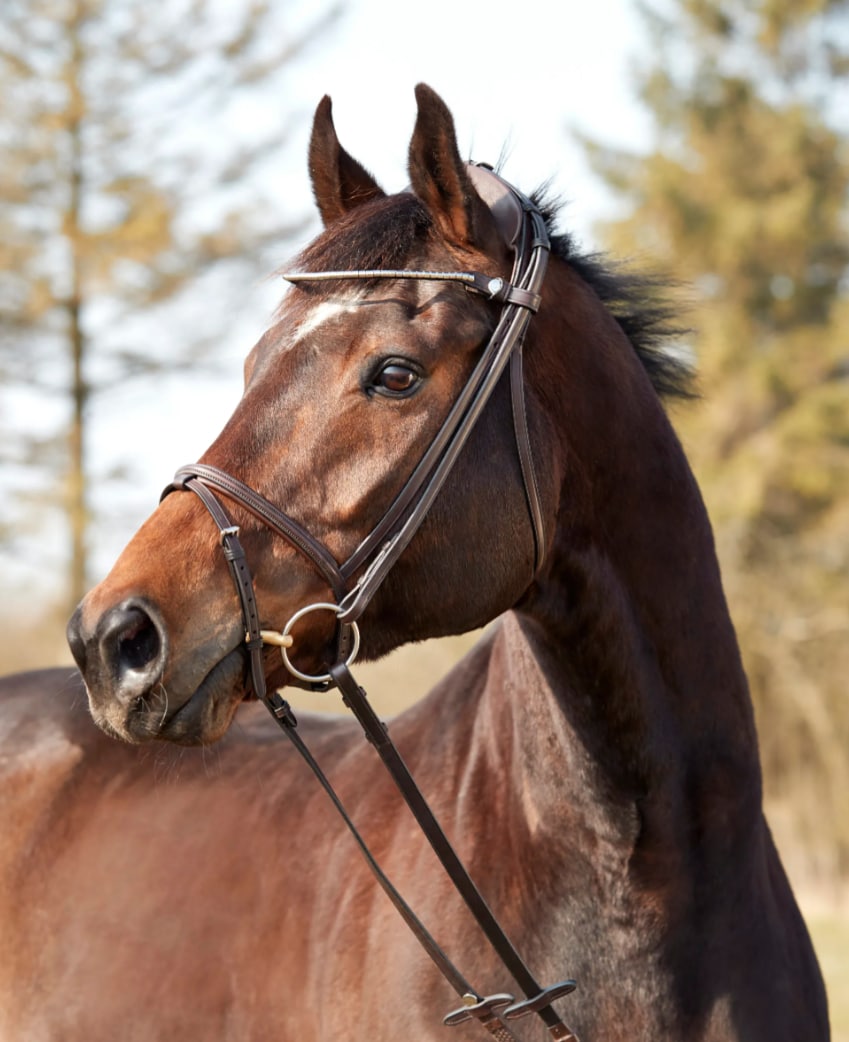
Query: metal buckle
224,532
479,1009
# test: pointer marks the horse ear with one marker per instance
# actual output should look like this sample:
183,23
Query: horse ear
439,177
339,182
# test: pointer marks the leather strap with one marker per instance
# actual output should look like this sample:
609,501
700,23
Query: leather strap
523,444
405,515
482,1008
268,513
242,579
502,199
538,999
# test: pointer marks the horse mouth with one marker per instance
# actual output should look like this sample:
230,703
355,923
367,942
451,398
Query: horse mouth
202,718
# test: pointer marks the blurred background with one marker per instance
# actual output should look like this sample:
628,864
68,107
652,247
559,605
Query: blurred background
153,174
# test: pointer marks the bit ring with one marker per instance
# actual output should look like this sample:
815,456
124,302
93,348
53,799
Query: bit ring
317,678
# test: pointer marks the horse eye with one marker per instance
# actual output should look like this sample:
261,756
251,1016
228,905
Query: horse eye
396,380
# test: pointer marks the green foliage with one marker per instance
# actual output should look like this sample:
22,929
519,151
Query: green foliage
113,203
744,197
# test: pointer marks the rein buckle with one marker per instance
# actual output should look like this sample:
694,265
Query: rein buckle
223,533
477,1009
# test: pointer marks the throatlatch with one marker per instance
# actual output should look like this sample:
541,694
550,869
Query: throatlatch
524,230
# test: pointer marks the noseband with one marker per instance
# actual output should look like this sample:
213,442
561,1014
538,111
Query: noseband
525,232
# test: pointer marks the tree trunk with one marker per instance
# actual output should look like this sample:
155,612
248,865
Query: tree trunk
77,510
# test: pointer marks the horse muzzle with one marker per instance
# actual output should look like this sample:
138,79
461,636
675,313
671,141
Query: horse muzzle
123,661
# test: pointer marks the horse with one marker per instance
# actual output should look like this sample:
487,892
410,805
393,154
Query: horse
593,759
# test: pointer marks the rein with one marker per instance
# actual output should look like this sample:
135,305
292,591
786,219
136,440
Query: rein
524,230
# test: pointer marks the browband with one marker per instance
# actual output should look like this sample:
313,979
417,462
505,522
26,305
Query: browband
509,215
493,287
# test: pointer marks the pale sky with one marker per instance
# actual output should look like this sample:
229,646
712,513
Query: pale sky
519,72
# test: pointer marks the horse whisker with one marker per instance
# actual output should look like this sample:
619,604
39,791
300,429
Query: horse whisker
164,693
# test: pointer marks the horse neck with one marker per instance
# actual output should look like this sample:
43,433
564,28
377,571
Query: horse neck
620,670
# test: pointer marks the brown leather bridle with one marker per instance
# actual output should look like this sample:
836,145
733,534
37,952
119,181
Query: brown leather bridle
524,230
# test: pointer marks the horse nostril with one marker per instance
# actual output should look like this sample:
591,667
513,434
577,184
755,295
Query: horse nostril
140,644
132,649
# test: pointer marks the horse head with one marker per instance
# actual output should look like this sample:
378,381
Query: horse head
343,395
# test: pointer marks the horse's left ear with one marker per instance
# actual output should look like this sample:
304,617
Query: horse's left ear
439,177
339,182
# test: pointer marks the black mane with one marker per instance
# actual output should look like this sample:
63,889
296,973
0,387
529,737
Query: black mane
639,301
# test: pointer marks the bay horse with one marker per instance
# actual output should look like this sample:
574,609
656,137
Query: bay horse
593,759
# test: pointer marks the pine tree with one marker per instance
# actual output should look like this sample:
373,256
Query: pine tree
743,197
112,204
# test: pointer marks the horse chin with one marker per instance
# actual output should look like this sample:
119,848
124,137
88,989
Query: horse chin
201,719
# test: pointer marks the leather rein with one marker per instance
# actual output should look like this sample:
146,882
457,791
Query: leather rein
525,232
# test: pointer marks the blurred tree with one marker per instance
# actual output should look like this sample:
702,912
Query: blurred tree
744,197
125,177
